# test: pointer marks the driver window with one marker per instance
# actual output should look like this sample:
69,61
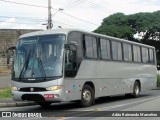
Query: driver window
70,63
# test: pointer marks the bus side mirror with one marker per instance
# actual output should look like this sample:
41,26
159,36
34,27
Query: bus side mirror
72,55
8,52
67,47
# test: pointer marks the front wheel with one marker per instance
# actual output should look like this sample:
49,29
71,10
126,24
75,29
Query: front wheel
44,104
136,89
87,96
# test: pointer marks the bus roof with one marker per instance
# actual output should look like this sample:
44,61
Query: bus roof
66,31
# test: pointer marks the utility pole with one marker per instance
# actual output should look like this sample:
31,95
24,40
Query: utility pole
49,15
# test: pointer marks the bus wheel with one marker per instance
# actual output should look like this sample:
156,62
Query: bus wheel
87,96
44,104
136,89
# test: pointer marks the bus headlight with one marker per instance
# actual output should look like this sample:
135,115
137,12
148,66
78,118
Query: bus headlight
52,88
14,88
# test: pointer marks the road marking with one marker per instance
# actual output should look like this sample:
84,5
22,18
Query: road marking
97,109
105,108
93,110
110,107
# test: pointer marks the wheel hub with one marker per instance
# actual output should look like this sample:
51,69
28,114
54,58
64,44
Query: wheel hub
137,90
86,96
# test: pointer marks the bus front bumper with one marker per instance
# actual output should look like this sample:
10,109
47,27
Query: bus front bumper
52,96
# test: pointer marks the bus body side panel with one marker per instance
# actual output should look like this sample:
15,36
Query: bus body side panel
73,88
110,78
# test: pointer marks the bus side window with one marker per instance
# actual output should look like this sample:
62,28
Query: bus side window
70,63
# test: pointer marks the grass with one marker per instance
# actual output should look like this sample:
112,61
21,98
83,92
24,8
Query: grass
5,92
158,80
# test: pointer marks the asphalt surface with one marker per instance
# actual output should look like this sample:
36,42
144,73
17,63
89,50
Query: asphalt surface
8,102
147,102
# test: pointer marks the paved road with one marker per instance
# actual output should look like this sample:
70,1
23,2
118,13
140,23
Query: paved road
148,101
5,81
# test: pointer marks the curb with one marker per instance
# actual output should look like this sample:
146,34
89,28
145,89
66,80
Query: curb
18,104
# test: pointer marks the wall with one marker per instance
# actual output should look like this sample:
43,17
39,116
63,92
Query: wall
8,37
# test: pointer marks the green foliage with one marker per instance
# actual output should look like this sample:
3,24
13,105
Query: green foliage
115,25
125,26
5,92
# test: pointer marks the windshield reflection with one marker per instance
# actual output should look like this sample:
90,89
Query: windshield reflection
39,57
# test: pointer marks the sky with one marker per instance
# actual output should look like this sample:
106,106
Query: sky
80,14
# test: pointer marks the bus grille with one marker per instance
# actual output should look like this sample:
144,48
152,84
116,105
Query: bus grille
33,97
32,89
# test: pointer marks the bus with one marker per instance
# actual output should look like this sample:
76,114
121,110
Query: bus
73,65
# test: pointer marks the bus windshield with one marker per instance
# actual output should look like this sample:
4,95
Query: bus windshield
38,57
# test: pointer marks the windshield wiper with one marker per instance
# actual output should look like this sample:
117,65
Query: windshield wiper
25,64
41,67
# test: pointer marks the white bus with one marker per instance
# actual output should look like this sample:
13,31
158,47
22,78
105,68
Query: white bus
73,65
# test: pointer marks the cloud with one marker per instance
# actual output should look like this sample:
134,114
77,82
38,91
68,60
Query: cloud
89,10
13,23
7,22
148,2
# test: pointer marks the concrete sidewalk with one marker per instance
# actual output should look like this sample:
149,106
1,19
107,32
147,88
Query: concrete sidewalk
8,102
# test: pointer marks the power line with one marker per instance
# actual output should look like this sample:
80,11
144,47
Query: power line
15,22
74,3
32,23
75,23
52,8
24,4
68,2
63,23
31,19
78,18
26,18
102,6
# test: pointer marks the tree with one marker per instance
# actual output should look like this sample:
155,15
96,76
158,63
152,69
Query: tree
126,26
115,25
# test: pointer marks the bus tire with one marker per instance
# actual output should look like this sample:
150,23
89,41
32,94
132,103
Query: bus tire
87,96
44,104
136,89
